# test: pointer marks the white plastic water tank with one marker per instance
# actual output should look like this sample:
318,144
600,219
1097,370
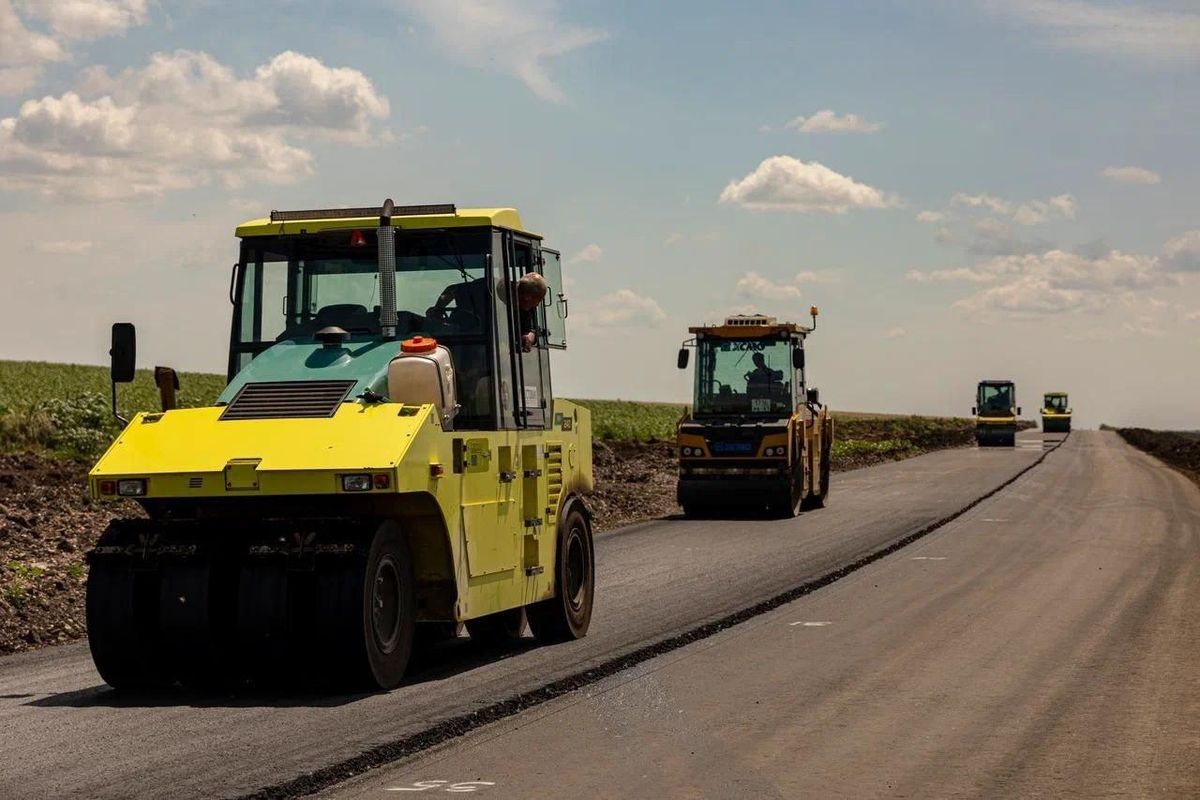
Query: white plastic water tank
423,373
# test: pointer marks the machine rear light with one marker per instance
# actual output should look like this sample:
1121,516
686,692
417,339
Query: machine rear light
357,239
383,481
360,482
108,487
131,487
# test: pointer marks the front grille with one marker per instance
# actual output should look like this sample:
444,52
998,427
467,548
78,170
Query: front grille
288,399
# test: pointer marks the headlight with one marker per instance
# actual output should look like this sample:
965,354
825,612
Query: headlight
131,487
356,483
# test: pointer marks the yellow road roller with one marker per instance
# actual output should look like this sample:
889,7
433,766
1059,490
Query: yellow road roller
387,457
1056,413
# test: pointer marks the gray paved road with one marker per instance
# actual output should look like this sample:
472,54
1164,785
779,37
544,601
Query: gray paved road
66,735
1045,644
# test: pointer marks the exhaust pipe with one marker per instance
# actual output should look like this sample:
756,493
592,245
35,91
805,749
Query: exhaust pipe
387,271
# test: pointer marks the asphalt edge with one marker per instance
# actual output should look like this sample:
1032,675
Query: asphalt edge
389,752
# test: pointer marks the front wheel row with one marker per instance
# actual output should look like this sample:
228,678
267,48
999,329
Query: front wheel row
349,621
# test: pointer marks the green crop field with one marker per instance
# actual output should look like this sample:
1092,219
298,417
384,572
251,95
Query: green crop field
65,408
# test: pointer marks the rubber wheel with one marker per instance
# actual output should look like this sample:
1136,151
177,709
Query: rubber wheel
187,634
817,500
365,612
117,624
262,617
566,616
498,630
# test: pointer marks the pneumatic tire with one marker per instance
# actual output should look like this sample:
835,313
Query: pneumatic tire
365,612
119,610
567,614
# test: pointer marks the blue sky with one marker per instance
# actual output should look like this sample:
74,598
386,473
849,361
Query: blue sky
967,189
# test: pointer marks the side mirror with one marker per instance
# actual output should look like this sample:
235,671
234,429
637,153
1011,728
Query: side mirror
1018,411
682,362
973,411
123,352
167,381
814,396
798,358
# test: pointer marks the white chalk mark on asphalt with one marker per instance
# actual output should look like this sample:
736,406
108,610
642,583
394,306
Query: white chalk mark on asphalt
809,624
462,787
929,558
990,519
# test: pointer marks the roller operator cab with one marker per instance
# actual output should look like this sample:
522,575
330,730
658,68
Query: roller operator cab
756,437
387,457
996,413
1056,413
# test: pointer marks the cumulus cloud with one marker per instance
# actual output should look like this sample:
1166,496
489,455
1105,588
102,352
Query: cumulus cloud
930,217
25,52
621,307
1052,282
1031,212
1129,30
1132,175
1182,254
87,19
826,121
590,254
783,183
753,284
184,120
895,333
515,37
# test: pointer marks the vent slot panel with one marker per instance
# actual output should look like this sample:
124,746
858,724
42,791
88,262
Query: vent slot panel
281,399
554,478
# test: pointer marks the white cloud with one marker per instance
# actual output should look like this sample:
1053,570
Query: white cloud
929,217
1130,30
673,239
895,333
184,120
1054,281
515,37
590,254
87,19
826,121
1192,316
753,284
1132,175
1182,254
783,183
65,247
982,201
24,52
623,306
818,276
1032,212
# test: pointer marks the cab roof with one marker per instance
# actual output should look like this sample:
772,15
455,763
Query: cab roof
315,221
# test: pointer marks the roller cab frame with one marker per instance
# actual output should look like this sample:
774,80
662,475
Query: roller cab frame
996,413
1056,413
756,437
323,514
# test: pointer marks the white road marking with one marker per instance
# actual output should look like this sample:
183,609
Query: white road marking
929,558
462,787
992,519
809,624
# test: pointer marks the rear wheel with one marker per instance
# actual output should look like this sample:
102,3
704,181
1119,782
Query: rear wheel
566,616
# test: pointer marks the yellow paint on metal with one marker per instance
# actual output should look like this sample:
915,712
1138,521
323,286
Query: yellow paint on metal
463,218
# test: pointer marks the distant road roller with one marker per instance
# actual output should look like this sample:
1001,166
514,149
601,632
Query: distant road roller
996,413
387,453
1056,413
756,438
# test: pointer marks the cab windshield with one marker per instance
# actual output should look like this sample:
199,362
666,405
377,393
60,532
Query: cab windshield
743,377
1056,403
996,399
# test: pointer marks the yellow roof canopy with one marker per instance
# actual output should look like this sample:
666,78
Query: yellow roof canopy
456,218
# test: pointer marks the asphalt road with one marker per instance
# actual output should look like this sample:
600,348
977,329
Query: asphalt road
1044,644
65,734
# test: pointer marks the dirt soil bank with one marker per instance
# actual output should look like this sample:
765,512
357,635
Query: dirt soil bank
1180,449
47,524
